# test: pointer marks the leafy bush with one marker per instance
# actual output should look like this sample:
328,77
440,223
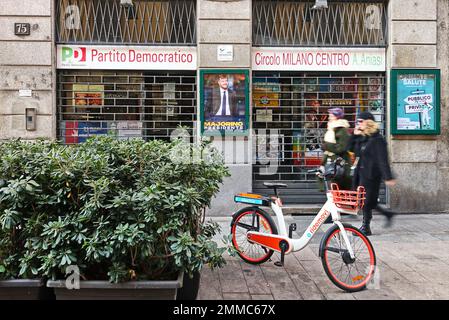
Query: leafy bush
119,210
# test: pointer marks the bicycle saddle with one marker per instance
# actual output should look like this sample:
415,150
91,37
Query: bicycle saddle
274,185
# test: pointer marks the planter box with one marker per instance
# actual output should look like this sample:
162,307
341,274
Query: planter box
190,287
25,290
131,290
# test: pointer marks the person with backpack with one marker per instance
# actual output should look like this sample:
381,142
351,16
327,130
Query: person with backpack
371,167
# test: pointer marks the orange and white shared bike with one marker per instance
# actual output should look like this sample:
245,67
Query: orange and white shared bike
346,253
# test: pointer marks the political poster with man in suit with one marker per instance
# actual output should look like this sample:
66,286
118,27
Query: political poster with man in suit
224,103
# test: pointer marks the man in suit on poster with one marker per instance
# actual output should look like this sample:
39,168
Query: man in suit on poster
221,102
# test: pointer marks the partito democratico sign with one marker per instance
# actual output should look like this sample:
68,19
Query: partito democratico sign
126,57
318,59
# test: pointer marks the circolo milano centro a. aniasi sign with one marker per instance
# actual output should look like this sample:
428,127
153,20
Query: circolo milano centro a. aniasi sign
318,59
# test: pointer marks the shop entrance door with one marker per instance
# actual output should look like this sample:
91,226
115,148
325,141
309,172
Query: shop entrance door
290,119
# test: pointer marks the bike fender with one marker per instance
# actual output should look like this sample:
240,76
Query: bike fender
237,213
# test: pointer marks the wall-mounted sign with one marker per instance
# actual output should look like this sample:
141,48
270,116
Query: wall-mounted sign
22,29
318,59
25,93
224,102
126,57
415,101
225,53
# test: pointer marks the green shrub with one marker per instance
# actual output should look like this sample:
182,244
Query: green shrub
119,210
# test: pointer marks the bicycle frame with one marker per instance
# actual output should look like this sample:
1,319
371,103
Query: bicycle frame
329,208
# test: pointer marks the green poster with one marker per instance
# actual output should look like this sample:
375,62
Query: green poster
415,101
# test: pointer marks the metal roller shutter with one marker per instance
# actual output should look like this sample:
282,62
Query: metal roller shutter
290,119
124,104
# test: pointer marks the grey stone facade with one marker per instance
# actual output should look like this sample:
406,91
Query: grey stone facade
418,38
27,62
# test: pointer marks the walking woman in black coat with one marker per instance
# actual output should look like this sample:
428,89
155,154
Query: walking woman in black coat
371,167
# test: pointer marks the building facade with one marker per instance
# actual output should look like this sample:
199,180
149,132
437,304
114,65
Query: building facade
75,68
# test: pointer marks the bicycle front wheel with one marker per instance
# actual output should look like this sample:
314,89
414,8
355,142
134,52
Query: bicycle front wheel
349,274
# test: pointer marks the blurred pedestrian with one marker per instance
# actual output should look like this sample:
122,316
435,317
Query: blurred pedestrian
371,167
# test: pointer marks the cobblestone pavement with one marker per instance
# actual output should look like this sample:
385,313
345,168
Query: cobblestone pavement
412,258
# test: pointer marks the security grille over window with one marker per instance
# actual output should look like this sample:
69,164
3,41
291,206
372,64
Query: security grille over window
124,104
290,113
138,22
343,23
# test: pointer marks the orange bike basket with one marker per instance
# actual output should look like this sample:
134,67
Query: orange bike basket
348,200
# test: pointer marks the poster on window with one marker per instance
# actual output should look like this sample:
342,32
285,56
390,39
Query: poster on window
79,131
224,102
266,92
415,101
87,95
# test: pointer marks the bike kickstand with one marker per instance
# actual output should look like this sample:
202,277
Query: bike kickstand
284,247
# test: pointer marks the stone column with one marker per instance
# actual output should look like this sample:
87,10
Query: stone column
419,161
227,23
26,62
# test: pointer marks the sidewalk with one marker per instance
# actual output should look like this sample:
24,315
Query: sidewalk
412,260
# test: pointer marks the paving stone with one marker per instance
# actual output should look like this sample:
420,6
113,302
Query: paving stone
376,294
262,297
305,285
232,271
436,291
328,288
340,296
306,254
236,296
414,277
210,288
281,286
233,286
397,264
255,280
409,291
412,261
313,268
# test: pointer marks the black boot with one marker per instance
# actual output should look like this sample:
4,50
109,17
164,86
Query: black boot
366,228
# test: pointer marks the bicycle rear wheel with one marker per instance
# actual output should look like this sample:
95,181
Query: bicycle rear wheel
251,219
346,273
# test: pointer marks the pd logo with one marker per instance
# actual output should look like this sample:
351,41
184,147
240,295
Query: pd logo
71,55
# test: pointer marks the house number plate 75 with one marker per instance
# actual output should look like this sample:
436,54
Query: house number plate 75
22,29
